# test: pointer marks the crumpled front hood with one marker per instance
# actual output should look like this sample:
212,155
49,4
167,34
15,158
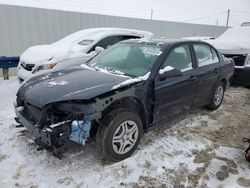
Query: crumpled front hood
75,83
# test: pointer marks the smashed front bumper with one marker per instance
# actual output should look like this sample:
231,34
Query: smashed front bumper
52,138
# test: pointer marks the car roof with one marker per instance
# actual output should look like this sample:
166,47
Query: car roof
163,42
106,31
99,33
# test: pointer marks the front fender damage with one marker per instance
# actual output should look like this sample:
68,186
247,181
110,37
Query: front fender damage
69,120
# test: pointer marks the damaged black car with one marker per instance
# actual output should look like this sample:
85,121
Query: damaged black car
127,90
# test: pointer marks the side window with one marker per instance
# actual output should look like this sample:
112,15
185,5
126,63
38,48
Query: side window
215,56
179,58
204,55
126,37
109,41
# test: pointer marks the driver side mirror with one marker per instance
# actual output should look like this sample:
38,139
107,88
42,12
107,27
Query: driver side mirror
169,72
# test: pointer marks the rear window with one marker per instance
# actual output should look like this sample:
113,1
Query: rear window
205,55
109,41
215,56
126,37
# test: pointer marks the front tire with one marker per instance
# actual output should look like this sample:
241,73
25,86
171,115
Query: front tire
217,96
119,134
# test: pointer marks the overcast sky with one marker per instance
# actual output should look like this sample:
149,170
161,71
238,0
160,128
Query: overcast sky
193,11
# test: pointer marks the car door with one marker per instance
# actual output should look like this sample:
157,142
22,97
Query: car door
208,72
174,95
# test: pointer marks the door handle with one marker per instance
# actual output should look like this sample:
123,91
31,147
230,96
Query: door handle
192,78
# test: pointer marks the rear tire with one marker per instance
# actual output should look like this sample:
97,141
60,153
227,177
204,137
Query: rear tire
119,134
217,96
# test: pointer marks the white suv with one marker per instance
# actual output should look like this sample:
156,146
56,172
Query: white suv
74,49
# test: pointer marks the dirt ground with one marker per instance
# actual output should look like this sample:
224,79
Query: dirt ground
223,128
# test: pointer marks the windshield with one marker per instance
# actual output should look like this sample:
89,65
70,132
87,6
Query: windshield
132,59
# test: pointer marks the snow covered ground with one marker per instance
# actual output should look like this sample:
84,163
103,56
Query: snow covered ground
202,149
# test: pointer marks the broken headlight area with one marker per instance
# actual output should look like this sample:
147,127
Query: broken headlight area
52,127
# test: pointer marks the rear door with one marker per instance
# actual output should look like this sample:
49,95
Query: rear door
175,95
208,72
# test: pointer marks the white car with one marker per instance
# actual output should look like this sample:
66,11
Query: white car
74,49
235,43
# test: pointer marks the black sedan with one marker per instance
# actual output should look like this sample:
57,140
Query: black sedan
126,90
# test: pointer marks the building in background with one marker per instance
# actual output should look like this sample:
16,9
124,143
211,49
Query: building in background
22,27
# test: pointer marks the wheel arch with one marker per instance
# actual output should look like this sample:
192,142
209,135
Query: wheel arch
131,103
224,82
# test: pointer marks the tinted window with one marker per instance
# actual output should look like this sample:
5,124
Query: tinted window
104,43
126,37
204,55
215,56
179,58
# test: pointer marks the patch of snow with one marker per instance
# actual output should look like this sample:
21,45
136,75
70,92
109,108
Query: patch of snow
116,72
86,67
69,50
84,90
45,77
143,40
160,43
151,51
59,83
58,124
132,80
165,69
226,157
60,73
20,108
199,38
69,46
235,40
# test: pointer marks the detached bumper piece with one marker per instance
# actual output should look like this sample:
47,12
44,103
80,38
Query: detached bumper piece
52,138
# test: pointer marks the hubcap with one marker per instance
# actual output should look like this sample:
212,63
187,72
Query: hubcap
125,137
218,95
